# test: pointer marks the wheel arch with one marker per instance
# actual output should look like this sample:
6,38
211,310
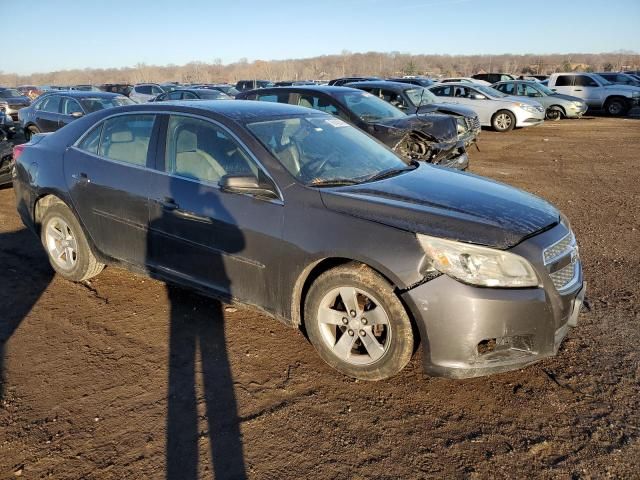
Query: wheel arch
312,271
558,107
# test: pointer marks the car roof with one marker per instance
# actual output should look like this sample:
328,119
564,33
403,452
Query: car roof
82,93
238,110
384,84
196,90
329,89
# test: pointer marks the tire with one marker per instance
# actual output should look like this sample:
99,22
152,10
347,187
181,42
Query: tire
30,131
554,113
61,232
503,121
373,348
616,107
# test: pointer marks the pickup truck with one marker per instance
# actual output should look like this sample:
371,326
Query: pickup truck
596,91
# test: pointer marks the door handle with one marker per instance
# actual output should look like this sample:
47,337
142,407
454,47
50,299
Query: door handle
577,89
168,203
81,177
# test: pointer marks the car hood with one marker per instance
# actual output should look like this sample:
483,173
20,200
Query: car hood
446,203
442,128
623,88
447,109
568,98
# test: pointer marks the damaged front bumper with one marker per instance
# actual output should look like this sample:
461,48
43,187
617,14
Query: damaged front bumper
470,331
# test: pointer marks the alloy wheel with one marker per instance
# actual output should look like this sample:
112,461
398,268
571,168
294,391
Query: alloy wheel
61,243
354,325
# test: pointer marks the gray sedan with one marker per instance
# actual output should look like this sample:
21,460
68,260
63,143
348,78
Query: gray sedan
556,105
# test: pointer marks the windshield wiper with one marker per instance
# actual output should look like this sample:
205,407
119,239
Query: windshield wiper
333,182
391,172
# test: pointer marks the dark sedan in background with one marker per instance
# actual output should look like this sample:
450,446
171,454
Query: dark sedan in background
316,223
54,110
192,94
432,138
6,156
416,99
14,100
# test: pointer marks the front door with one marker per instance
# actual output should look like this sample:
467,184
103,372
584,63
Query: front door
202,235
108,179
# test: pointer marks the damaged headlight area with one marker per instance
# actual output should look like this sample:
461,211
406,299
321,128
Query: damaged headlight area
462,125
476,265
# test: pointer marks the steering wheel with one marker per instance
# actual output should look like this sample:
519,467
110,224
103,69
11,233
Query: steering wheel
311,169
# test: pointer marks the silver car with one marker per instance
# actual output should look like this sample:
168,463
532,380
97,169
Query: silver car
495,109
556,105
143,92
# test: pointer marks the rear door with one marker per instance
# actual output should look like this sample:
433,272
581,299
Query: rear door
563,84
47,114
201,234
108,179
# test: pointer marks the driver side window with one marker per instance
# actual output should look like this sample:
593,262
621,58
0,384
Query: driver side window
202,151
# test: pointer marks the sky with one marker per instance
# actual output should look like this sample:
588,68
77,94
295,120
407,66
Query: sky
67,34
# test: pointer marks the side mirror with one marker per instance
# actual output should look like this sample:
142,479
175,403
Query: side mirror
76,114
246,184
477,96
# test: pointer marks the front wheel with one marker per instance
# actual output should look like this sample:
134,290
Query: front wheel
553,114
67,247
615,107
357,323
503,121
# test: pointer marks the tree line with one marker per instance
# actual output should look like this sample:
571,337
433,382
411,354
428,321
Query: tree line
326,67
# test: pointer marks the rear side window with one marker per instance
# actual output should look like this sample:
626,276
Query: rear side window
442,91
563,81
322,104
91,141
126,138
51,104
144,89
507,88
175,95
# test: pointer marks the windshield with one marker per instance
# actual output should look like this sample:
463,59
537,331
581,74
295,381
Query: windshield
229,90
322,149
421,96
492,92
214,95
544,89
368,107
100,103
10,93
603,80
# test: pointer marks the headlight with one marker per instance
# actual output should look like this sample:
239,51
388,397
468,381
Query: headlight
462,125
527,107
477,265
578,104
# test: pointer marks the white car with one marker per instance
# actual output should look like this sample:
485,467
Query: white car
143,92
464,80
494,109
596,91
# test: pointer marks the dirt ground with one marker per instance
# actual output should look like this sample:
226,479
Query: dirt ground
125,378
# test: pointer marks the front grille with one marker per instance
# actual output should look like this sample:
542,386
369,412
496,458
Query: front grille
563,262
564,276
473,123
559,248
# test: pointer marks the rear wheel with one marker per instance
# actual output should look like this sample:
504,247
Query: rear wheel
503,121
357,323
67,247
615,107
30,131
